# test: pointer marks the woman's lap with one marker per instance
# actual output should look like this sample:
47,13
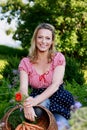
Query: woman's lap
61,121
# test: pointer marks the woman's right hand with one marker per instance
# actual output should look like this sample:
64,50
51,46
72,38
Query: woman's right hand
29,113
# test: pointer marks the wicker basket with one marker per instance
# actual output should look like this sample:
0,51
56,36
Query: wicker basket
46,120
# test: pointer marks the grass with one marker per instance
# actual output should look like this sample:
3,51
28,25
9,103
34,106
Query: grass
9,51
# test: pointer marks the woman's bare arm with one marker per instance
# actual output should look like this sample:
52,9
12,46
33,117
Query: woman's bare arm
28,111
24,83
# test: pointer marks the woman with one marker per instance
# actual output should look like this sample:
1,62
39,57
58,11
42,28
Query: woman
43,70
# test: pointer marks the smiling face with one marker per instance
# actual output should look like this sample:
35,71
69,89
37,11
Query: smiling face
44,40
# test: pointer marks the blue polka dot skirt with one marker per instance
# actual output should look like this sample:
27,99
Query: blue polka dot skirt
60,101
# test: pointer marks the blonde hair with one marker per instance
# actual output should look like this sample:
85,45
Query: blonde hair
33,49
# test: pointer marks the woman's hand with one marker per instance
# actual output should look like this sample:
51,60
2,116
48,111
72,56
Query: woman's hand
29,113
30,102
28,108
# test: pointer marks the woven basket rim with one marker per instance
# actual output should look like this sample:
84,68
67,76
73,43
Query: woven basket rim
7,114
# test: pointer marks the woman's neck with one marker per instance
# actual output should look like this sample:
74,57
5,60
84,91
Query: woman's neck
43,56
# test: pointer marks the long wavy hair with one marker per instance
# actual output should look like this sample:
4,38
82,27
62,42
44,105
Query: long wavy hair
33,55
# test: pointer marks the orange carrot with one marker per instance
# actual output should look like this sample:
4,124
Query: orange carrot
18,127
27,127
23,126
34,126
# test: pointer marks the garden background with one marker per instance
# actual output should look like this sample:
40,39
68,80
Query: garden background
70,20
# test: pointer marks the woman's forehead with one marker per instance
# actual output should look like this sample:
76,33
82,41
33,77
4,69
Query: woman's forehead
44,31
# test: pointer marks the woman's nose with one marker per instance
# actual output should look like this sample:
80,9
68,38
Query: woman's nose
44,40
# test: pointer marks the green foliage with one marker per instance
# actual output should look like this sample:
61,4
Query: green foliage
3,106
3,63
9,51
10,71
9,60
16,118
6,94
79,91
73,71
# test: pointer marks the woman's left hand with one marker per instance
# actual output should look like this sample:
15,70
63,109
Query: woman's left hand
29,113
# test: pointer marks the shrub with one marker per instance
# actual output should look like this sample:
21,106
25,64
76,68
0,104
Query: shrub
5,50
73,71
10,71
6,95
79,91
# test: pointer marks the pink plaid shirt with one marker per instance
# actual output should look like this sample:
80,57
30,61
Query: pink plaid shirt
41,81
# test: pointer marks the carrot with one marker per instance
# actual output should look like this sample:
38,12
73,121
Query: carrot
27,127
37,127
34,126
23,126
18,127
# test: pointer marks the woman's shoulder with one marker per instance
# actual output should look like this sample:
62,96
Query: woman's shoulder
25,60
25,64
59,55
59,58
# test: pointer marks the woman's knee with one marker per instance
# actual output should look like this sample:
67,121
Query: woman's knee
46,103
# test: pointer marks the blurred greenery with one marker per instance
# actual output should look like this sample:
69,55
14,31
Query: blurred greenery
9,51
78,119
